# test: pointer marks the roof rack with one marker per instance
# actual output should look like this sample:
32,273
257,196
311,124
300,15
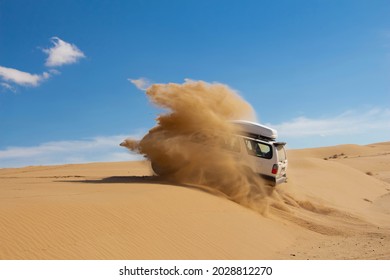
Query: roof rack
255,130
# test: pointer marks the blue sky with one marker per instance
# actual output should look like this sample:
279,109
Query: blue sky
316,70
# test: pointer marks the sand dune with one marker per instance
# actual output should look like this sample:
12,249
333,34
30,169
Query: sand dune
336,205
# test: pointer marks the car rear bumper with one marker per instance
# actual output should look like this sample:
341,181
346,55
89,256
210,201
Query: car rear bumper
273,181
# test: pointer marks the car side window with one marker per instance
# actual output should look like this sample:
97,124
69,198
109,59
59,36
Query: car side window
258,149
248,146
265,151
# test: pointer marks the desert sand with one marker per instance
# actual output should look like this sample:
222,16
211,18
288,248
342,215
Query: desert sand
335,205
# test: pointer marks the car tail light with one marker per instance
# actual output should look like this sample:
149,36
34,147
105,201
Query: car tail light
275,168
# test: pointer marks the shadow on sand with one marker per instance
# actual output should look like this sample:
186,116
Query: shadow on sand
146,180
122,180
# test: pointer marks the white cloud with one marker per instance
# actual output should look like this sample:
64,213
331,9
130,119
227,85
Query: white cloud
141,83
22,78
62,53
349,123
8,87
97,149
54,72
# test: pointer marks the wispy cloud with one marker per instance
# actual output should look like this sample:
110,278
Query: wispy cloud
62,53
352,122
141,83
21,78
97,149
7,86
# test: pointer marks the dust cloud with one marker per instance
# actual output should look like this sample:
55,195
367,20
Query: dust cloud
192,142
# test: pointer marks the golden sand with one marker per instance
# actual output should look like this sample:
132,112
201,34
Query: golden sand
336,205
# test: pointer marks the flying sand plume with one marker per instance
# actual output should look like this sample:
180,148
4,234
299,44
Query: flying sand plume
200,112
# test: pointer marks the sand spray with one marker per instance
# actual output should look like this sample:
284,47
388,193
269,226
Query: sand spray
185,145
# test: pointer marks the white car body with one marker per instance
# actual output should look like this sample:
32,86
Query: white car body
258,149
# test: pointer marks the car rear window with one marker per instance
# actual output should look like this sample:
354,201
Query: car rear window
281,152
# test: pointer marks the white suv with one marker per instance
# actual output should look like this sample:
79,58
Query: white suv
260,151
254,146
